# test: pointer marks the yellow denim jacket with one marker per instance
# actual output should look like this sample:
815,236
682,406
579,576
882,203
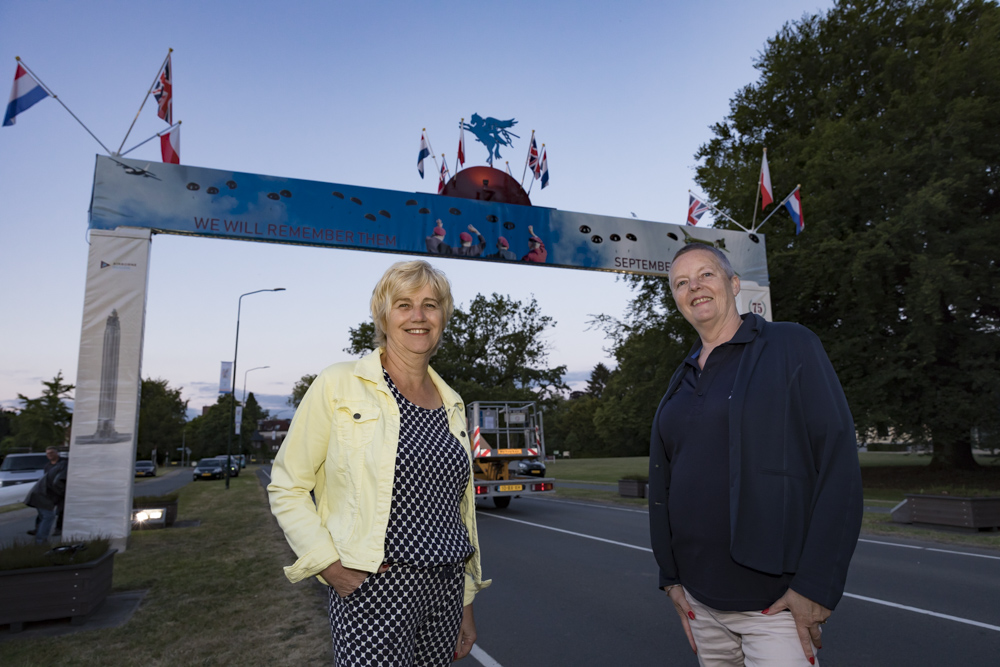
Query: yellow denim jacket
342,445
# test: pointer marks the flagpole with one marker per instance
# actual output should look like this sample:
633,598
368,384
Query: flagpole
539,158
56,98
158,134
778,207
437,167
760,179
527,157
155,79
723,214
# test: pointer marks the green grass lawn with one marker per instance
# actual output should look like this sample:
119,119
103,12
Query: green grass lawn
597,470
216,594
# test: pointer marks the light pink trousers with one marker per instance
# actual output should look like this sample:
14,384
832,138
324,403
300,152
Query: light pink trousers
750,638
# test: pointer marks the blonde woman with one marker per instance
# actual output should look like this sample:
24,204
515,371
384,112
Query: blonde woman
382,444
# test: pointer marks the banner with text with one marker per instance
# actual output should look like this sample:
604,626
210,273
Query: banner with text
180,199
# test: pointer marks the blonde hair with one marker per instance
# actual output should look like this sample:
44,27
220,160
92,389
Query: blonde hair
404,278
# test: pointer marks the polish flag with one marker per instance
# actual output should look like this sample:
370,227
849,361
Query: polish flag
461,145
766,192
170,146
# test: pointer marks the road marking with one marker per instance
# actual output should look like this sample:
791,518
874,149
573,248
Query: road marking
483,657
264,472
567,532
917,610
597,505
925,612
941,551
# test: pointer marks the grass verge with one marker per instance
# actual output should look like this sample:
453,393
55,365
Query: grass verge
217,594
881,524
12,508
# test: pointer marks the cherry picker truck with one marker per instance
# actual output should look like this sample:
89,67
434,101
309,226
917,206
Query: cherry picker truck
508,450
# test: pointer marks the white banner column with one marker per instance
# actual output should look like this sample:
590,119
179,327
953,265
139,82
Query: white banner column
108,381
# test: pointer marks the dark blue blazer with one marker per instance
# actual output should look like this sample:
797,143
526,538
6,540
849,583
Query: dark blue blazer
795,500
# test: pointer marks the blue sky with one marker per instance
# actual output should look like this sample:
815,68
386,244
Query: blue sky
622,94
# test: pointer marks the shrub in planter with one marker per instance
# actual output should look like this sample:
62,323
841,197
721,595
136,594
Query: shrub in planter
40,583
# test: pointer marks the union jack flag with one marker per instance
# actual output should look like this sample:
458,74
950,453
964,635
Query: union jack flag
444,171
696,209
534,164
163,91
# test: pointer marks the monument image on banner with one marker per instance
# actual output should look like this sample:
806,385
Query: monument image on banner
107,406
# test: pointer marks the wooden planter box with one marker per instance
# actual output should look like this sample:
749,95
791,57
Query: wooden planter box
954,511
171,509
632,488
46,593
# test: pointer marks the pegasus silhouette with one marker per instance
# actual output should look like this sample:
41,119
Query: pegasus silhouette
492,133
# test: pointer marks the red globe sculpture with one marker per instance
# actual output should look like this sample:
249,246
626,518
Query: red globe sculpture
486,184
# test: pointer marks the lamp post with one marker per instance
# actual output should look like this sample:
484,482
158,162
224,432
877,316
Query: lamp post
240,451
232,415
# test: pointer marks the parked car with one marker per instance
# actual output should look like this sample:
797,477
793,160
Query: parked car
22,468
234,465
533,468
210,469
145,469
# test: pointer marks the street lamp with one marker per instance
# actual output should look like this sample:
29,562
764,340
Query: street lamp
232,416
245,401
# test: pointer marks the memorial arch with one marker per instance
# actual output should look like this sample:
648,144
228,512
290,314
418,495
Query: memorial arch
131,202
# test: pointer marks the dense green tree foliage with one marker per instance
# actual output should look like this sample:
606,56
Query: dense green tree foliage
208,434
886,112
162,414
43,421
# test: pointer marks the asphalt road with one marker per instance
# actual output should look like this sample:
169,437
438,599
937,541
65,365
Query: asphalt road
575,584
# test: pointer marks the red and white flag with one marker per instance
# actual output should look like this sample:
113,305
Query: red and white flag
461,145
170,146
163,91
766,193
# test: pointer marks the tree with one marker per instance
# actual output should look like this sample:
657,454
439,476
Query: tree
44,421
162,414
886,112
252,415
598,380
493,350
208,434
302,386
569,426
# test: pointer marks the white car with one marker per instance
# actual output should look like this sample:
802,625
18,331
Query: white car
22,469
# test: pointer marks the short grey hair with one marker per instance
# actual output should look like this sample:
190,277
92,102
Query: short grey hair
720,257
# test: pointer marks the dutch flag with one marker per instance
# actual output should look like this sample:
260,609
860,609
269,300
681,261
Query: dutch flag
543,167
26,93
425,152
794,206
